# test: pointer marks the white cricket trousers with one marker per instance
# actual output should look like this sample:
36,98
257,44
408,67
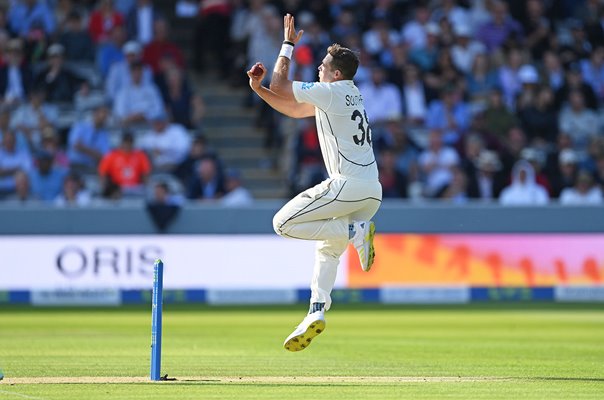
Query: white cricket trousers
324,213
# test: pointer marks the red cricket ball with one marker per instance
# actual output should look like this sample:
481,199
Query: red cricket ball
257,70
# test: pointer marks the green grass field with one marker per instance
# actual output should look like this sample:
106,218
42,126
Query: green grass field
528,351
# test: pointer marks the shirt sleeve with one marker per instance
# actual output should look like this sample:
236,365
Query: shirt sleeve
316,93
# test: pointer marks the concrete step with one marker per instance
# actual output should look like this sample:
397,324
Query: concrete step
232,121
241,143
261,173
233,133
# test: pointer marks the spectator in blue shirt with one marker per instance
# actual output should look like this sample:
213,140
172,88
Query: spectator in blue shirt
25,13
139,102
89,140
46,180
110,52
119,73
12,160
450,115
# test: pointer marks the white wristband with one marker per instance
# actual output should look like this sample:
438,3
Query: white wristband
286,51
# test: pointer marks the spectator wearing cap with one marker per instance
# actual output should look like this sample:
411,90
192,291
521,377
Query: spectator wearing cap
59,82
125,167
24,14
584,192
436,163
529,79
12,159
465,49
120,72
592,70
110,51
46,179
500,28
76,40
139,102
16,77
382,100
578,121
574,81
523,191
414,32
449,114
486,181
89,141
565,174
102,20
161,47
236,194
73,193
167,144
140,21
31,117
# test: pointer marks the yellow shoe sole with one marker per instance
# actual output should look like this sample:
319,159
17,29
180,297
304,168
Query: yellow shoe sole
300,342
369,238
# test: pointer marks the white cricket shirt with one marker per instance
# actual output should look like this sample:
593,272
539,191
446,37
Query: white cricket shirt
342,126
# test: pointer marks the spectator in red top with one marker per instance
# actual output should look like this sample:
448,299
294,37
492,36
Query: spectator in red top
102,21
162,47
125,167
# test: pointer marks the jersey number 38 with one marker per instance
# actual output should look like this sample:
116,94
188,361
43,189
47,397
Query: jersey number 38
363,128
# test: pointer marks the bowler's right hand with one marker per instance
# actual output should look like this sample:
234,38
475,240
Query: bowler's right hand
256,80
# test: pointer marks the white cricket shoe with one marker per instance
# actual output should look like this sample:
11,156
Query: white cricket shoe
363,242
312,325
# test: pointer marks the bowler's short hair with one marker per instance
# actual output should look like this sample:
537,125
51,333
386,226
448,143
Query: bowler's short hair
344,60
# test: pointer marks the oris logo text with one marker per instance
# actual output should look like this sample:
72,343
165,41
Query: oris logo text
75,262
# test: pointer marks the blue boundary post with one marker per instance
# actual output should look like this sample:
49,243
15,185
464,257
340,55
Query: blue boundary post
156,323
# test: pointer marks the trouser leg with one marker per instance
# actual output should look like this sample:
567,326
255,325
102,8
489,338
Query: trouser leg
325,270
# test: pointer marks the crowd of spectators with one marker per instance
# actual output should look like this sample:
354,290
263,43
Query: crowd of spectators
470,99
96,106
